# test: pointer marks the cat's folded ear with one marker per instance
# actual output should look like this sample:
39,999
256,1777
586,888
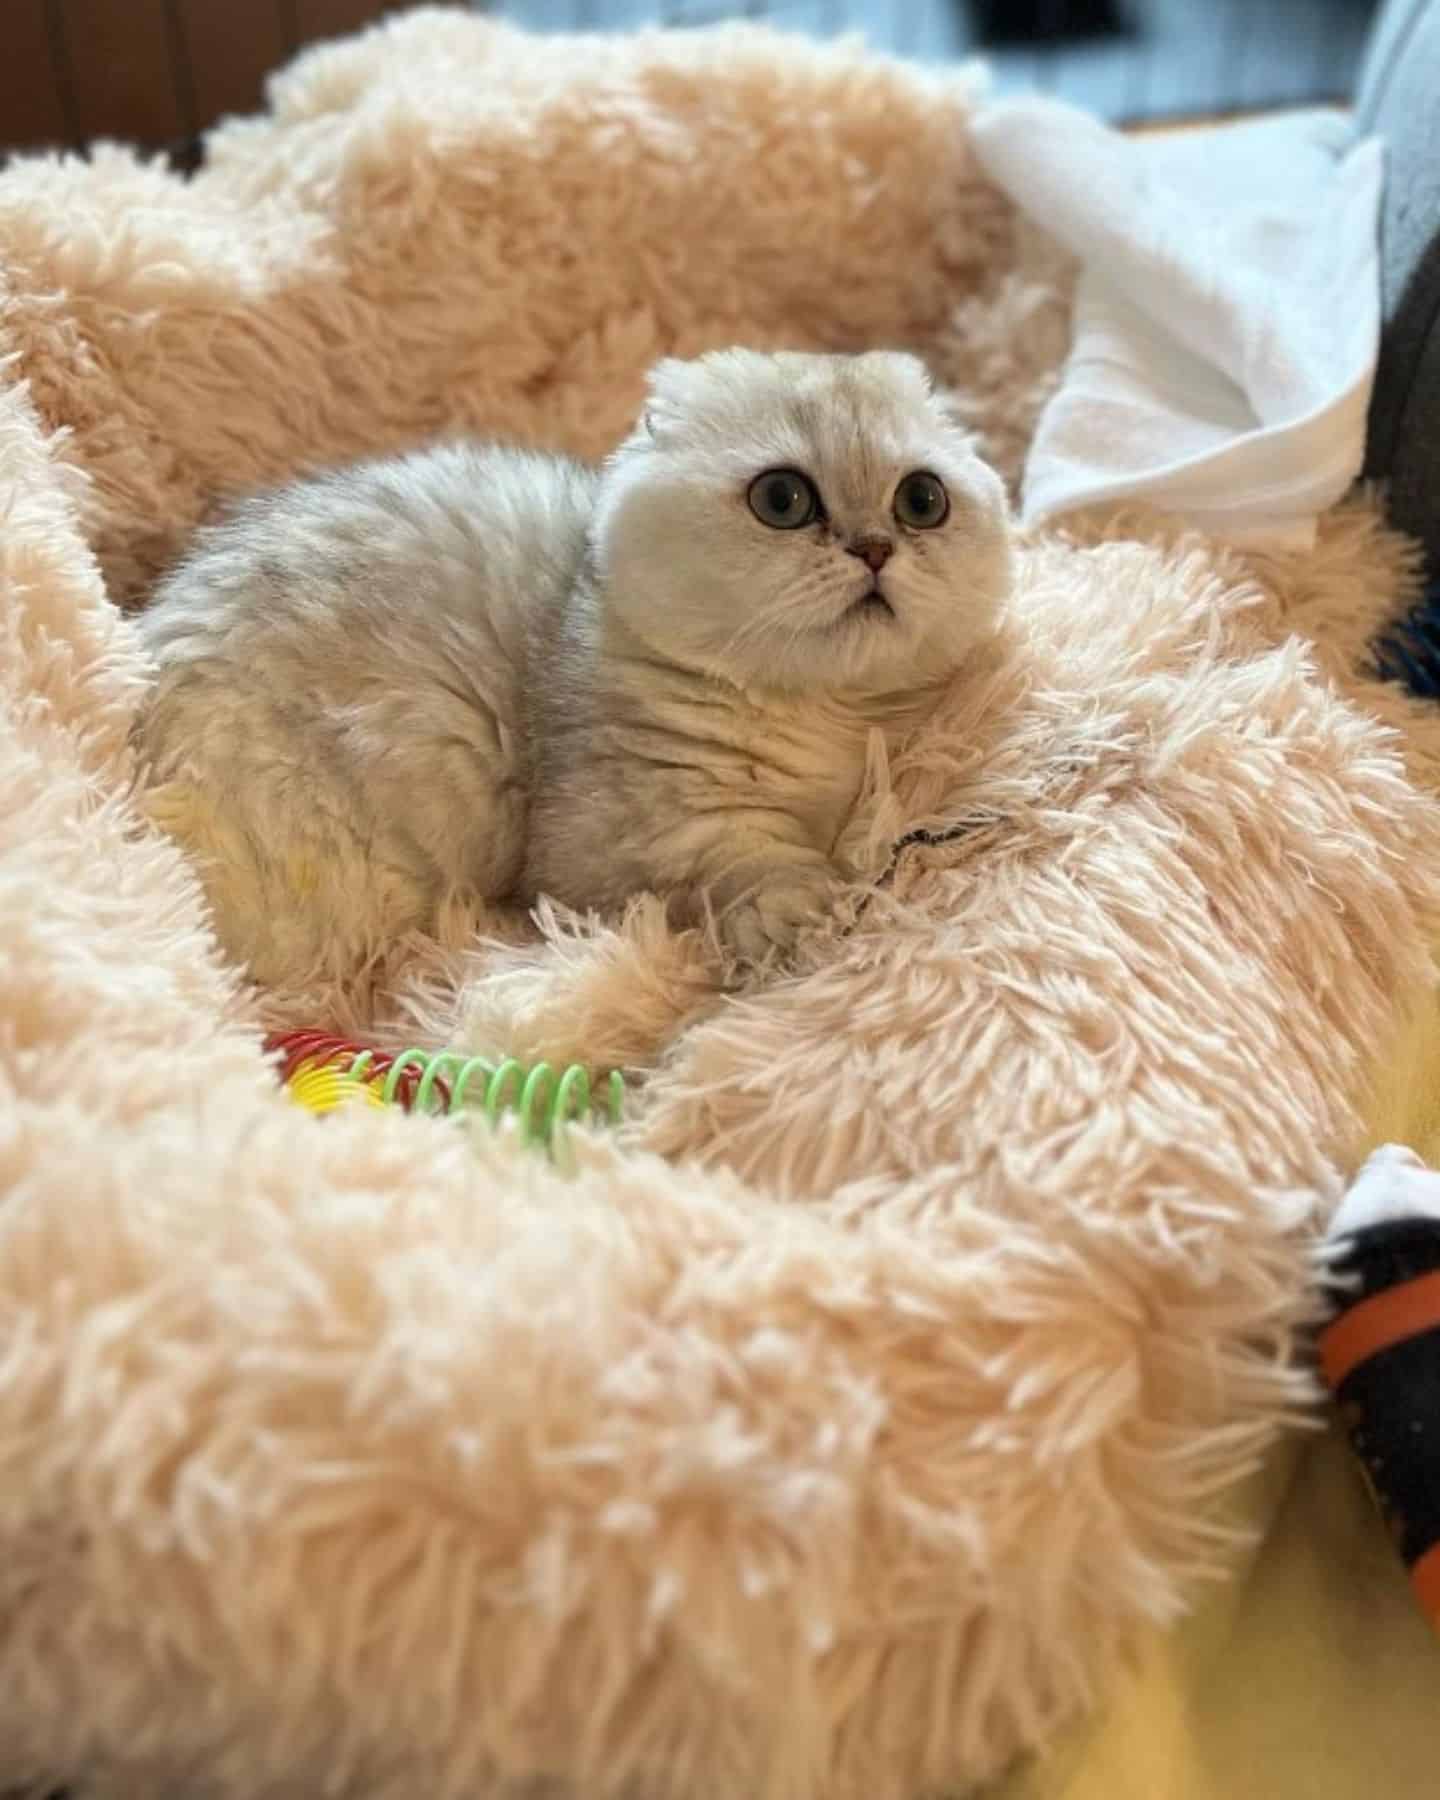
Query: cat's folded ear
666,386
912,372
959,416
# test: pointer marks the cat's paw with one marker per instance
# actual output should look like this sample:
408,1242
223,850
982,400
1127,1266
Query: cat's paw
766,923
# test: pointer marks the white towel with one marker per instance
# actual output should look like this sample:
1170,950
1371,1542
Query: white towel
1227,314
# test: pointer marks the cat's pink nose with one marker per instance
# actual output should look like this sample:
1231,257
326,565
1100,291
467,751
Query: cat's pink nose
876,551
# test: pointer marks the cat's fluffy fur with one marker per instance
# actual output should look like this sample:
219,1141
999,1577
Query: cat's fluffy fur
392,693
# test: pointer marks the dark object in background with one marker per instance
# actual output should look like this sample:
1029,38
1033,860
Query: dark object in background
1397,100
1045,21
151,72
1408,649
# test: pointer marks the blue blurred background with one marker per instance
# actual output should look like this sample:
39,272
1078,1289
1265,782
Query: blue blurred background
1125,59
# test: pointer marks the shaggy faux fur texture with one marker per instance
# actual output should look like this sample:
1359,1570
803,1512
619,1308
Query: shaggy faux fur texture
839,1448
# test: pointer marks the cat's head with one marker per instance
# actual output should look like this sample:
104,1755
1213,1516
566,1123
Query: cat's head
803,522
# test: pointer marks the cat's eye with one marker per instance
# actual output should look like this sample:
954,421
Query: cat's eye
784,499
921,501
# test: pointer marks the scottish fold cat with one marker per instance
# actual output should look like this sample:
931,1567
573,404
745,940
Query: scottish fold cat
392,693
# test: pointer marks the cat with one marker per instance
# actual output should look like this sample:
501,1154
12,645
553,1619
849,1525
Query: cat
390,694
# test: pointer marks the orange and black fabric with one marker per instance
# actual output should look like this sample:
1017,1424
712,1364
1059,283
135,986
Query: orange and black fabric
1380,1355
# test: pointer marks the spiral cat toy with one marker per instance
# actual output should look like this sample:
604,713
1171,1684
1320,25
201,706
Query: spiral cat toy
322,1072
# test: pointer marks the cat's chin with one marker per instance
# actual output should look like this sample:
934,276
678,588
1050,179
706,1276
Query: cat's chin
871,608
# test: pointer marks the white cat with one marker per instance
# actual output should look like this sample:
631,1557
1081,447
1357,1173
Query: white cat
472,673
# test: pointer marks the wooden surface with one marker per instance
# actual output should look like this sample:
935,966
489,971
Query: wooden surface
150,71
32,109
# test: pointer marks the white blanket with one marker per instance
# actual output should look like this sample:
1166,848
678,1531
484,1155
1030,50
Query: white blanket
1226,317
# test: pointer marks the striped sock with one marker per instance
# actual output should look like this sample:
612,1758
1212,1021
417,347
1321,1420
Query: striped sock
1380,1353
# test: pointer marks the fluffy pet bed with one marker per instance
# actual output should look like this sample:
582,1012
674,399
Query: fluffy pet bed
835,1432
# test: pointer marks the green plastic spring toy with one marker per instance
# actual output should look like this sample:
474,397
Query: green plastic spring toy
322,1072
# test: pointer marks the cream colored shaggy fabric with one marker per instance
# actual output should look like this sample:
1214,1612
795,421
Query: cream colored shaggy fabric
835,1432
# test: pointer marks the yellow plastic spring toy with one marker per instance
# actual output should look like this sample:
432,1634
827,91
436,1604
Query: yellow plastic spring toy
322,1073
